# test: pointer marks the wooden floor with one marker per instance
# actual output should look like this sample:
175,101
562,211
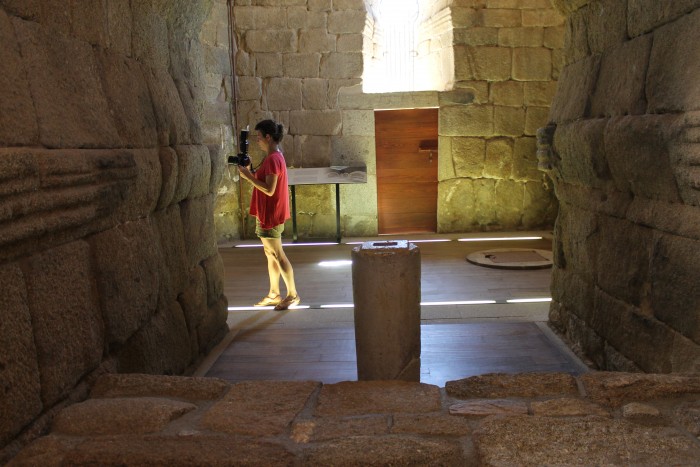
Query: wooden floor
318,344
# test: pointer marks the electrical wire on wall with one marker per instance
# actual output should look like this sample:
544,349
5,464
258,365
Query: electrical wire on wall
233,48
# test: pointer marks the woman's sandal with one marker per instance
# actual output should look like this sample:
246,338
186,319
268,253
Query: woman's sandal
269,301
287,302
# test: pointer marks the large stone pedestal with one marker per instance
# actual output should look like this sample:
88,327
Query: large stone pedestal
386,293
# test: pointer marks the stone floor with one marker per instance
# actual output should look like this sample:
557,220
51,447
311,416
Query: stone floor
596,418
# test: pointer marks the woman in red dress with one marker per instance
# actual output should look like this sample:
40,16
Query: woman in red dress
270,206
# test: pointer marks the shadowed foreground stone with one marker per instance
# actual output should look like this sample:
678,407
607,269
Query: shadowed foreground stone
524,440
203,421
614,389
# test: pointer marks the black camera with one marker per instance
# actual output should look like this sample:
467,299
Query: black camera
242,158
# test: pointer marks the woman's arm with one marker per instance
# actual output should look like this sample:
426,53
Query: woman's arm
267,187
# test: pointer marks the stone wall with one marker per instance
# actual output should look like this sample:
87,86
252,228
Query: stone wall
624,156
302,61
108,261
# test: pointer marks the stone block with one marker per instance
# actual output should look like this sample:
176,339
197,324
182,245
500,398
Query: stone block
620,88
507,93
68,328
575,89
636,148
127,272
525,160
671,86
169,174
190,94
272,40
623,273
141,196
553,37
193,389
249,88
302,65
245,63
508,121
522,385
328,428
438,424
498,162
521,37
539,93
244,409
582,153
341,65
193,172
501,18
214,271
19,370
646,15
58,69
479,89
268,65
539,205
129,99
400,450
119,25
314,92
523,4
168,228
219,163
193,301
26,9
474,36
535,117
284,94
171,120
614,389
358,122
160,346
508,440
467,156
576,37
532,64
349,5
315,122
673,295
302,18
149,35
577,233
349,43
260,17
346,21
349,398
607,24
542,17
568,407
319,5
18,120
508,204
482,63
456,206
133,415
487,407
485,202
316,40
469,120
93,24
198,226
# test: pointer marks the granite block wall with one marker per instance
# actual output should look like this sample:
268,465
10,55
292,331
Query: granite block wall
108,259
622,149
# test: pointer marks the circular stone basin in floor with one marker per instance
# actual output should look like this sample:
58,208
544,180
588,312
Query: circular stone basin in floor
512,258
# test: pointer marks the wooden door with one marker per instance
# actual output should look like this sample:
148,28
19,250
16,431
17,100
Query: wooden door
407,161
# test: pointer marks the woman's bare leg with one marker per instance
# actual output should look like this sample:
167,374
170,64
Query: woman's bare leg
278,265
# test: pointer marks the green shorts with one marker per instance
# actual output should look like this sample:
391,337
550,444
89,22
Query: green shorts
275,232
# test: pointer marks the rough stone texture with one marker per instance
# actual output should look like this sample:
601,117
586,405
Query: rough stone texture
19,372
645,15
586,440
670,87
245,408
483,407
68,328
193,172
171,121
58,69
272,422
167,225
499,385
18,121
613,389
198,225
127,277
134,415
576,86
356,398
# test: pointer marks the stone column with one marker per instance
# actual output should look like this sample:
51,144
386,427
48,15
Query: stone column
386,293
